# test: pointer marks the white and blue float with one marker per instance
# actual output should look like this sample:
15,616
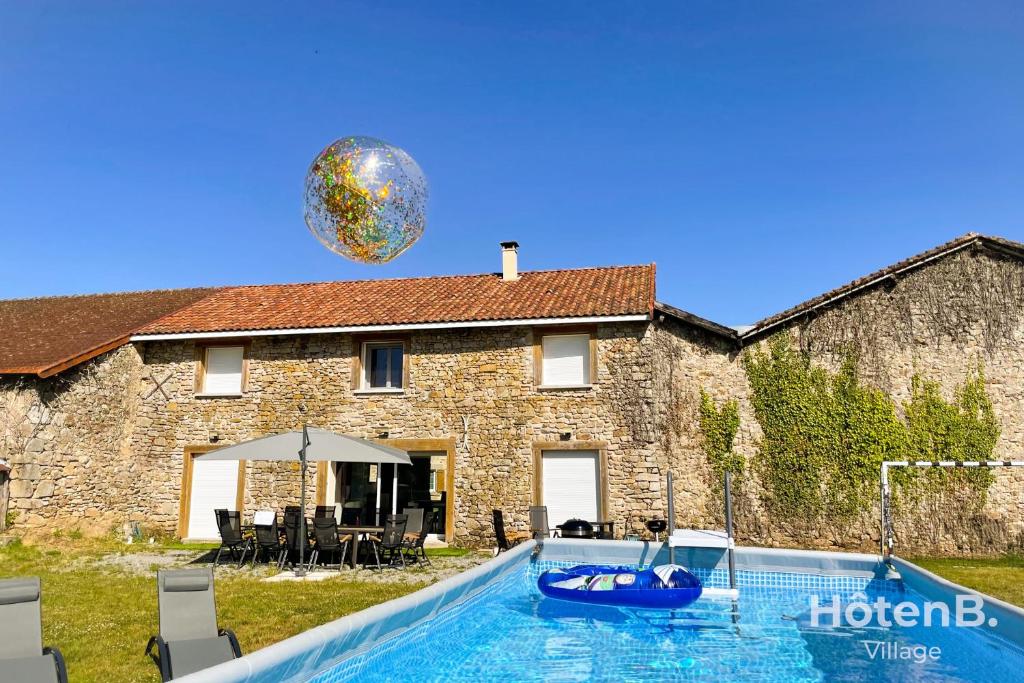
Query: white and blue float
667,586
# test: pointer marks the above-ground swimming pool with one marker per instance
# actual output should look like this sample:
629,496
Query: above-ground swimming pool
502,628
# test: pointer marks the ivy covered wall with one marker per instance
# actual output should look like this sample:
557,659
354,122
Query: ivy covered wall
927,366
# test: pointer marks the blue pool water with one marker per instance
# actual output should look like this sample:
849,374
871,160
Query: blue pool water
511,632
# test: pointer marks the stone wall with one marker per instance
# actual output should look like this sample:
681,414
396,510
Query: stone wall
940,322
937,322
68,441
474,386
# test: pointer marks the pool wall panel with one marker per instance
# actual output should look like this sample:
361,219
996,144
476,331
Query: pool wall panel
301,657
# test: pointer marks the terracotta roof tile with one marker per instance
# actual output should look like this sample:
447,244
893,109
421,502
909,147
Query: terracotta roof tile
45,335
582,292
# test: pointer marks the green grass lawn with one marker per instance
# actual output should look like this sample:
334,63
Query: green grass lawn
101,618
1001,577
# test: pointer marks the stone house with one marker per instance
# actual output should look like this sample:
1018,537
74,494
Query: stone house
572,388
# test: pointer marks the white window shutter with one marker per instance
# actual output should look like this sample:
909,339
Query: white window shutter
223,370
570,485
566,360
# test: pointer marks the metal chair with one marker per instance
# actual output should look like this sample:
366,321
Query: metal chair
506,540
293,538
391,541
414,545
23,659
229,523
539,522
189,639
325,530
268,542
415,523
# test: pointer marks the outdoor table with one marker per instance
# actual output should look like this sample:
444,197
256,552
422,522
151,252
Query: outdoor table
356,531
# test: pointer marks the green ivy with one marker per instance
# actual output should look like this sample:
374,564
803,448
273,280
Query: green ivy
825,434
966,429
719,427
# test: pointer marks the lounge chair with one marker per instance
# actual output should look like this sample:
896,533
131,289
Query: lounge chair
414,545
229,523
506,540
539,522
391,541
325,531
189,639
23,659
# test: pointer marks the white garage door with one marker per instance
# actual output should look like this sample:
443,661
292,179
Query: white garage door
569,485
214,485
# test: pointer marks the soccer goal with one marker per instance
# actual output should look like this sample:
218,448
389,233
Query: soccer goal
887,543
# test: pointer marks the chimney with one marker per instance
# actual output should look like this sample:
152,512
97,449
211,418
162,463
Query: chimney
509,261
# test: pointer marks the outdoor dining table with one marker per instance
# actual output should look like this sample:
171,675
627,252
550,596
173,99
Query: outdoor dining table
356,532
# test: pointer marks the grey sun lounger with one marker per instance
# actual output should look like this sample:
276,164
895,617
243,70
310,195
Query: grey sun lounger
23,659
189,639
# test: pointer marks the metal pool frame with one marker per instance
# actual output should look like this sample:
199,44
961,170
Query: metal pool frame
302,657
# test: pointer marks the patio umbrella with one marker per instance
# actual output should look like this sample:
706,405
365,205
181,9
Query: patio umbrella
313,445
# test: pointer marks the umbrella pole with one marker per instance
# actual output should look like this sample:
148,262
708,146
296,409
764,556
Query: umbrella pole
394,489
301,569
377,521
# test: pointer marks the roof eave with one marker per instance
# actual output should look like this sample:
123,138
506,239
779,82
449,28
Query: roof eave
969,240
697,321
398,327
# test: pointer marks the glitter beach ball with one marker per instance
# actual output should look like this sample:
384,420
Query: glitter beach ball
365,199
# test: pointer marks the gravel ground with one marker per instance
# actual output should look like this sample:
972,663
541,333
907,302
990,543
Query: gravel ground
145,562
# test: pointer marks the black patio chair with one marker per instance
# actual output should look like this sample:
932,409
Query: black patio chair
390,542
539,522
268,542
229,523
506,540
293,539
189,639
325,530
414,545
415,523
324,511
23,659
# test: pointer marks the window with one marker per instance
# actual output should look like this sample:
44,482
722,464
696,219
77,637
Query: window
566,360
571,484
224,369
382,365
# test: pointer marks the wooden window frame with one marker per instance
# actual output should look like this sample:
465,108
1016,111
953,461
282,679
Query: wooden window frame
538,355
200,357
602,469
359,345
446,446
185,501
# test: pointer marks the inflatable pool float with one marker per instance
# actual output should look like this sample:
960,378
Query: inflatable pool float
666,587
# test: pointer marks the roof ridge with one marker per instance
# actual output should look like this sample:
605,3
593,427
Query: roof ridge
850,287
161,290
412,278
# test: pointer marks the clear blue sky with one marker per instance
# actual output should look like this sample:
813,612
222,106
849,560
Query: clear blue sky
759,152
